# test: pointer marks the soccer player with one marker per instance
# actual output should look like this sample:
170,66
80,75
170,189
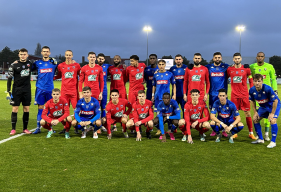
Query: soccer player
116,112
142,115
46,68
228,117
87,113
196,78
56,110
218,80
196,116
21,92
239,89
92,76
178,71
167,111
269,78
269,108
148,74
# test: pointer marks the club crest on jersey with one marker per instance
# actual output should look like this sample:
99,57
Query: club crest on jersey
61,105
92,104
57,113
264,69
121,106
242,71
28,65
139,76
87,106
92,78
227,108
195,116
196,78
237,79
96,70
263,92
199,108
24,73
68,75
119,114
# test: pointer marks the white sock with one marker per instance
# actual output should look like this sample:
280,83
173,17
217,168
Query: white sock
266,133
251,133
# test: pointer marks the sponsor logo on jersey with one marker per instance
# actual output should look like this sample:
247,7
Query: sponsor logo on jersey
68,75
142,115
92,78
262,101
87,112
162,82
117,77
24,73
224,115
139,76
179,77
196,78
264,76
150,78
217,74
57,113
167,114
237,79
195,116
119,114
104,73
48,70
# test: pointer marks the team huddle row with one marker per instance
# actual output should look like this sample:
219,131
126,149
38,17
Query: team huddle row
191,86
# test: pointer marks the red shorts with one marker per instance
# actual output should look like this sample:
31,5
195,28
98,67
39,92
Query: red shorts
241,103
133,96
70,98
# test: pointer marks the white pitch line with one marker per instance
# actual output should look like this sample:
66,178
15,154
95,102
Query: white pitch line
15,136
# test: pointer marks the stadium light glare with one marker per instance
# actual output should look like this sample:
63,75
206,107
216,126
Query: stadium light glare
240,28
147,29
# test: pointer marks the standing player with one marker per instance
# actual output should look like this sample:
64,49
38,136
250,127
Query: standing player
87,113
116,112
239,89
193,117
218,80
269,78
269,108
46,69
21,92
228,117
142,115
178,71
56,110
196,78
148,74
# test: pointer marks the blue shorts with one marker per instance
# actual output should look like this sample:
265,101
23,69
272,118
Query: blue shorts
149,93
226,121
156,102
263,112
181,102
104,100
41,96
212,99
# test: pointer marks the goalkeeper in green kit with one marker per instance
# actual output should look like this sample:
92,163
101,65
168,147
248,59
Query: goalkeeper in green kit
269,78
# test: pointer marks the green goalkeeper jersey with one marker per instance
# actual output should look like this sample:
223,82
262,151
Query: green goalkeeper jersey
267,71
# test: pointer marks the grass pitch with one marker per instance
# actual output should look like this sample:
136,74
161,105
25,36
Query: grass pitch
34,163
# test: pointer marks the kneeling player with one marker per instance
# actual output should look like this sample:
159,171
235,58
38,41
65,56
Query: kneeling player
269,108
193,116
87,113
142,115
167,111
225,120
116,112
58,110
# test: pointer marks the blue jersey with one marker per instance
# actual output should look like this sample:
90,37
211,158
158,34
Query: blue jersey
218,78
225,112
148,76
179,77
105,67
168,110
265,97
162,83
46,71
86,110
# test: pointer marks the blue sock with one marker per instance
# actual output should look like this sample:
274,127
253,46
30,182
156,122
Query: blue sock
258,130
274,130
103,113
39,114
216,129
235,130
96,128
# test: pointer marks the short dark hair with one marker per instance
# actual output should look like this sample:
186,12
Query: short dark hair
217,53
261,52
56,90
23,50
153,54
223,91
166,94
162,60
197,54
91,53
258,76
46,47
194,91
69,51
86,88
179,55
135,57
237,54
101,55
141,92
114,91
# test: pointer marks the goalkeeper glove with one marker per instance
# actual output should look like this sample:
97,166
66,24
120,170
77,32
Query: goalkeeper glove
8,97
53,60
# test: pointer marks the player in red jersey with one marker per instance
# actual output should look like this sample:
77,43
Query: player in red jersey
116,112
118,76
142,115
196,78
193,116
56,110
92,76
239,89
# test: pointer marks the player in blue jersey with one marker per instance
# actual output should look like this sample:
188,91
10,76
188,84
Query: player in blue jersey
178,71
269,108
169,112
87,114
228,118
218,80
148,74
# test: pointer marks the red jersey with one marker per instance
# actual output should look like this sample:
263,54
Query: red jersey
143,113
118,76
195,113
135,75
116,111
92,77
195,79
57,111
239,88
69,76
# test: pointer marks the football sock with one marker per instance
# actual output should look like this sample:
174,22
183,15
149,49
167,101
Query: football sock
266,133
249,124
67,126
258,130
47,126
235,129
14,118
203,130
274,130
39,114
216,129
124,127
182,128
103,113
267,125
96,128
25,119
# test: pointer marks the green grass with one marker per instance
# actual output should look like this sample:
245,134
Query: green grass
34,163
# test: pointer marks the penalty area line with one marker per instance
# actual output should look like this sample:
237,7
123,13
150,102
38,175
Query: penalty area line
15,136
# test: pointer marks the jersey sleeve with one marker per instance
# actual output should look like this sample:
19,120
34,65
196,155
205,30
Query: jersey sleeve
187,119
59,74
249,74
108,111
234,110
81,79
135,113
129,106
207,79
10,77
272,75
97,112
172,79
145,74
154,81
101,80
251,96
65,110
214,108
176,111
150,115
206,114
271,95
45,113
185,81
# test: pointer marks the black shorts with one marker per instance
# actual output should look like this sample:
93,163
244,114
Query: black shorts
19,96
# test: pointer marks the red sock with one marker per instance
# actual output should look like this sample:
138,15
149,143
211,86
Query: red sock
124,127
203,130
67,126
182,128
249,123
47,126
147,128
